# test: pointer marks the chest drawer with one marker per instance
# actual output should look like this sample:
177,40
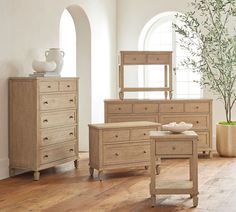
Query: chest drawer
199,122
115,135
48,86
158,59
141,134
134,59
58,118
68,85
57,101
171,108
203,140
48,137
174,148
51,155
197,107
120,154
112,119
145,108
119,108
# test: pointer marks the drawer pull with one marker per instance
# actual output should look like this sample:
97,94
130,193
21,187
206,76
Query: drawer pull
46,102
71,117
45,120
171,108
45,139
45,156
144,134
49,86
157,58
173,148
71,150
197,122
197,107
71,100
116,154
119,108
145,108
71,133
116,136
68,86
144,151
134,58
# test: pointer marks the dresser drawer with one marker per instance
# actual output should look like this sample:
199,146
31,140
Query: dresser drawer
141,134
115,135
134,59
203,140
58,118
145,108
48,86
158,59
112,119
198,121
60,135
119,108
68,85
171,108
57,101
51,155
123,153
174,148
200,107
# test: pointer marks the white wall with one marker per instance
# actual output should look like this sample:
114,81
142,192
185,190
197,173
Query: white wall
29,27
132,15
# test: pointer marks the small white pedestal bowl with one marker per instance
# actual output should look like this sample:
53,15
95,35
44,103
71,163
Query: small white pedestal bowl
177,128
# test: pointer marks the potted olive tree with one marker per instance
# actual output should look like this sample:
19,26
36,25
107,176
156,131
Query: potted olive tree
208,34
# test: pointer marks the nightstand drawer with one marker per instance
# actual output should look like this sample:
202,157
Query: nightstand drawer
48,86
57,101
158,59
145,108
115,135
134,59
69,85
121,154
48,137
141,134
171,108
174,148
58,118
119,108
51,155
199,107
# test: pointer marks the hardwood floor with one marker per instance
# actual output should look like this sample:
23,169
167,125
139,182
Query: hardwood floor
65,189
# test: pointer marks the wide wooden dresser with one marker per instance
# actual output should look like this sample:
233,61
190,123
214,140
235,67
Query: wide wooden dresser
119,145
43,122
195,111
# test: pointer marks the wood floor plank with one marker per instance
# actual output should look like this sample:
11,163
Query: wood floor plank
66,189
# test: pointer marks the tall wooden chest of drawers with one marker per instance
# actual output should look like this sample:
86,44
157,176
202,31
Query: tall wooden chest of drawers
195,111
43,123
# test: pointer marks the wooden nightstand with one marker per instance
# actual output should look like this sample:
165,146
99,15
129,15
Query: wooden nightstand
168,145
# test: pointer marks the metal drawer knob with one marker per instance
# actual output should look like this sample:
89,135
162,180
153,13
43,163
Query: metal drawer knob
171,108
45,156
173,148
119,108
116,136
197,122
45,120
45,139
144,134
116,154
134,58
49,86
68,86
197,107
71,150
71,117
46,102
157,58
71,100
144,151
71,133
145,108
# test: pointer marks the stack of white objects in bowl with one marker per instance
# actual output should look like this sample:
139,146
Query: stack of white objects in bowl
177,127
44,68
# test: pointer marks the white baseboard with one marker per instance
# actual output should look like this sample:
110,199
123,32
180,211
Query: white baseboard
4,168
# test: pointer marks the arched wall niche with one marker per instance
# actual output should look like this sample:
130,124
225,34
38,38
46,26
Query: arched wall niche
83,71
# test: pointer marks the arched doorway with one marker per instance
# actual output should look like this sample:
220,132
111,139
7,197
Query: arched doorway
82,66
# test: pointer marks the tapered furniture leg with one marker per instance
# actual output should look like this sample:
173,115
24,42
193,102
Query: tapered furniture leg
91,171
76,164
36,175
100,175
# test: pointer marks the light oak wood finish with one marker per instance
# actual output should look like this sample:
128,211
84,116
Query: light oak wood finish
43,123
184,145
64,189
164,58
119,145
195,111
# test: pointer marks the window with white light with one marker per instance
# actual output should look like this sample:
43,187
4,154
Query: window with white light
161,36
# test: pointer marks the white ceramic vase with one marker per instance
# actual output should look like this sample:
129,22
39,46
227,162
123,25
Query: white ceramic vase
56,55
